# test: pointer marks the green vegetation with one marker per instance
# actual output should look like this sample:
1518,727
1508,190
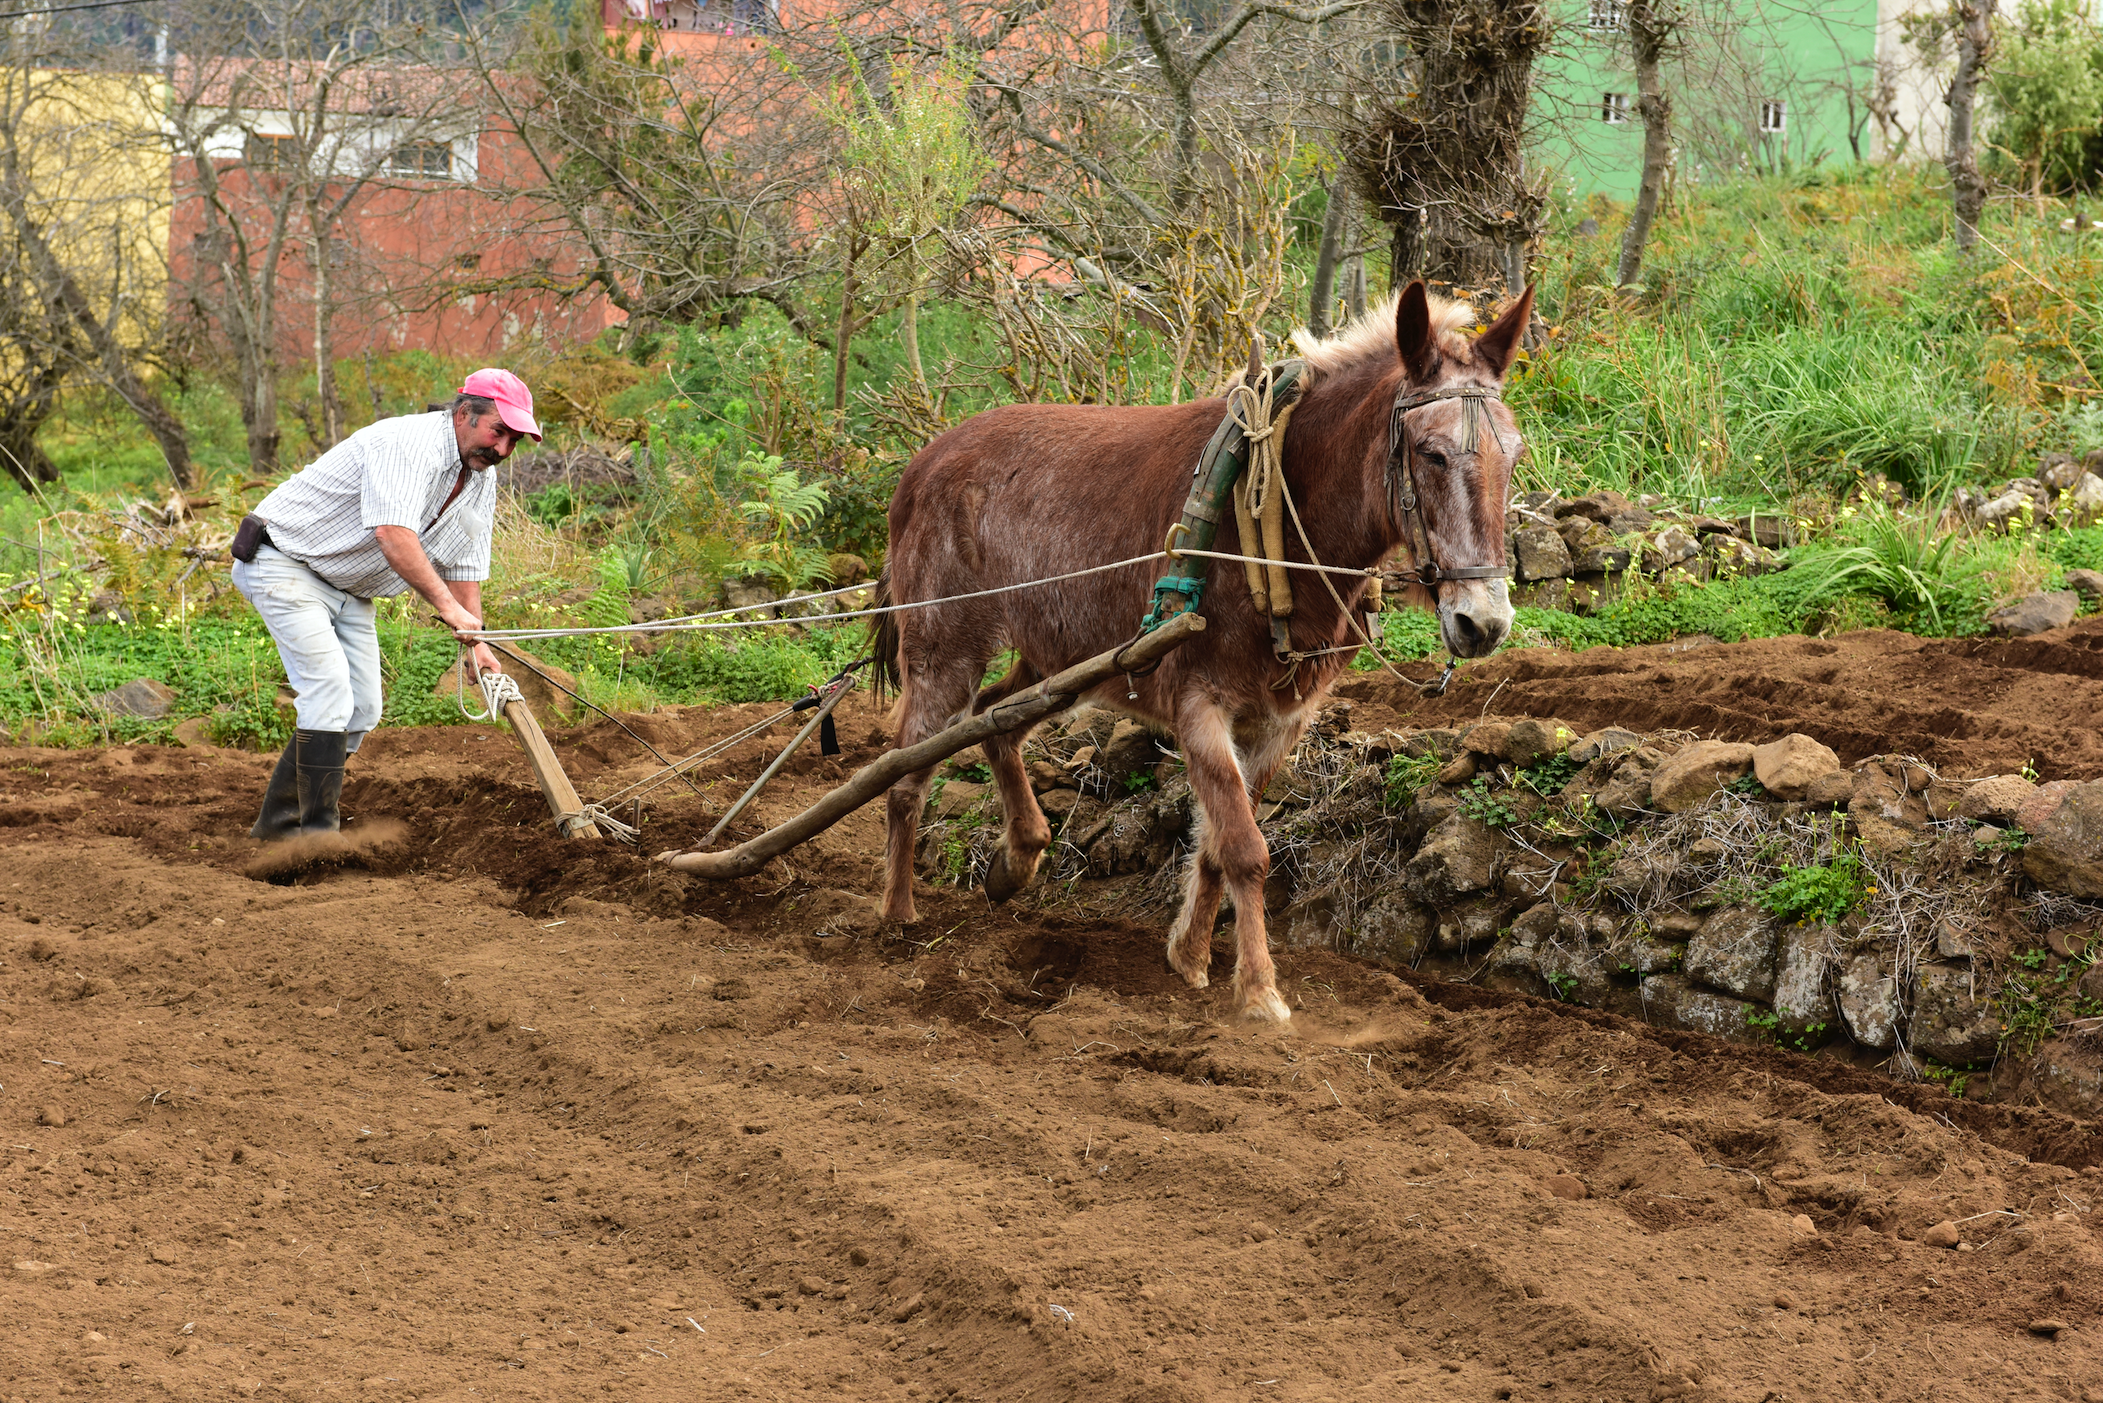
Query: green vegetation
1822,894
1772,362
1406,774
1486,808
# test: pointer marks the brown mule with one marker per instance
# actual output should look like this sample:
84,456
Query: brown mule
1400,445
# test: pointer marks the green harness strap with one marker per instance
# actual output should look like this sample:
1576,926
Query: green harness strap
1220,466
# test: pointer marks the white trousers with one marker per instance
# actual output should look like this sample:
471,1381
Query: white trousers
326,638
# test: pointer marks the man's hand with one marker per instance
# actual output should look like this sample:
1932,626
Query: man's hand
485,660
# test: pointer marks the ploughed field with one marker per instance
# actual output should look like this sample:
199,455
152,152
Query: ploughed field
476,1112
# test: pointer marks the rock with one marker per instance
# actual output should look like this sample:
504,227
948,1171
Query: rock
1788,767
142,697
1488,739
1803,969
51,1117
2047,1326
1869,1001
1672,1001
1540,552
1943,1234
2065,852
749,592
1628,792
1310,922
1694,773
1802,1225
1996,799
1667,548
541,694
1572,967
2035,613
1394,930
1531,741
2043,802
1457,857
1766,529
1609,740
1642,953
1567,1186
1459,770
1737,950
1593,548
1886,792
1056,804
2086,583
1729,557
1831,791
954,798
2006,511
1949,1023
844,568
2086,502
1130,751
1553,593
1440,741
1122,846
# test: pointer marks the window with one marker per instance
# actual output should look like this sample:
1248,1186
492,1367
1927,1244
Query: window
270,153
733,17
1613,107
1774,116
1607,14
422,160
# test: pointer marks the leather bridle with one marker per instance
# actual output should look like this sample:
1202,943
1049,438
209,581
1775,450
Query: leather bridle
1402,484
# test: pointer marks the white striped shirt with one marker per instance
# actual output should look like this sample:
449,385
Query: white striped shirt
396,472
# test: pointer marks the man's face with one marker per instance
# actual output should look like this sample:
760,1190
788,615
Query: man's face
485,441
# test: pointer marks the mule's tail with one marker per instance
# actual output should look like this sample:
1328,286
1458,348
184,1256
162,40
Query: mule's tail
884,640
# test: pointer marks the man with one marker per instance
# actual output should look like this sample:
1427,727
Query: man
403,504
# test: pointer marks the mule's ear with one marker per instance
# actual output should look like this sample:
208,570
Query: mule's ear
1420,353
1496,347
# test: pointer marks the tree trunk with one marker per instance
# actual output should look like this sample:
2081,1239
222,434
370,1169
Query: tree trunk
324,361
1647,33
24,461
843,344
909,322
1967,186
1321,296
63,291
1445,166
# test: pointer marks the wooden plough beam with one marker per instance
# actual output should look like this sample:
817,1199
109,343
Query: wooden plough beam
1048,698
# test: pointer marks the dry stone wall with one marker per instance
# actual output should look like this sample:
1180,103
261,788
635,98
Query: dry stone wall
1949,925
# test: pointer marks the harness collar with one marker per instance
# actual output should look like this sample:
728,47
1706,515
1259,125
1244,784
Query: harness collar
1402,486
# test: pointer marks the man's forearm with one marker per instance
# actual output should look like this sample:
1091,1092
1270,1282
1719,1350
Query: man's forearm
405,554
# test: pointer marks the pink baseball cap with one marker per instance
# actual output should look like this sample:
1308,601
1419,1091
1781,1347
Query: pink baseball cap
513,400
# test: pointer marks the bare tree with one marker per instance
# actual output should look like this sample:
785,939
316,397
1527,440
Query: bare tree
1444,161
1974,33
1650,29
282,116
82,188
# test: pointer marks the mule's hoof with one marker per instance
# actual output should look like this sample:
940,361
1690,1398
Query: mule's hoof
1001,879
1264,1006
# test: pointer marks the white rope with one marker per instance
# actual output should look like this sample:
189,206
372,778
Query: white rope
499,690
692,623
596,814
1286,564
677,767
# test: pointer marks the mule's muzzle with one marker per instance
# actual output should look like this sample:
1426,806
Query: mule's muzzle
1474,617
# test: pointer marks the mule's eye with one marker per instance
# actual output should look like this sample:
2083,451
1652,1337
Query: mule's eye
1432,456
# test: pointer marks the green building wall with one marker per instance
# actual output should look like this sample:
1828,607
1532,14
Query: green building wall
1816,60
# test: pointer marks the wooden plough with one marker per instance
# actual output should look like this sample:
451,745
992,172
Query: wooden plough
1026,708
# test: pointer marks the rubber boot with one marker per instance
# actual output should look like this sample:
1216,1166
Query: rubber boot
320,779
280,816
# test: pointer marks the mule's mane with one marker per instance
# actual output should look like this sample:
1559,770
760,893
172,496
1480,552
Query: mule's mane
1372,336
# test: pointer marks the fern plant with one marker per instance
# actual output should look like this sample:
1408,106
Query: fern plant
781,506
